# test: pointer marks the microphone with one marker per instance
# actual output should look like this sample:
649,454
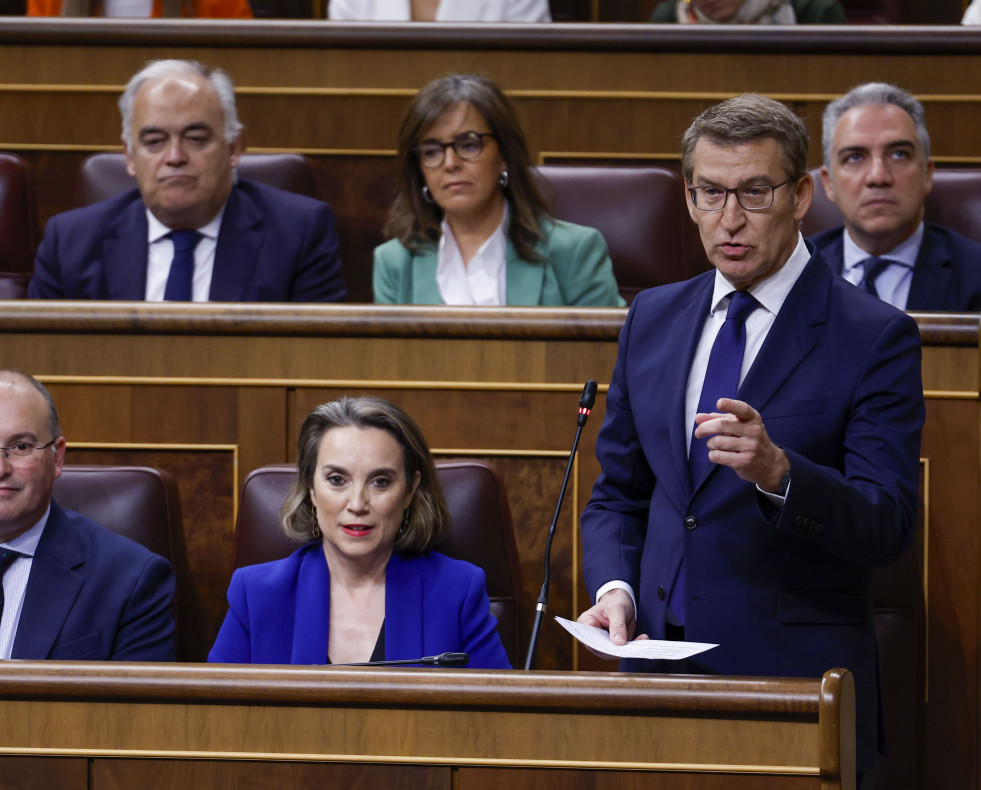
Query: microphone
586,401
442,660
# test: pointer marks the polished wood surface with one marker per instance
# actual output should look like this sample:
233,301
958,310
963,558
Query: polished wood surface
796,729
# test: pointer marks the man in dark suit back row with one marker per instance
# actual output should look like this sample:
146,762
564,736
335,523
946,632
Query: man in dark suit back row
70,589
189,230
877,170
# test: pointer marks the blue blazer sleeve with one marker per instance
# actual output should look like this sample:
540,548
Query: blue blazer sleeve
234,642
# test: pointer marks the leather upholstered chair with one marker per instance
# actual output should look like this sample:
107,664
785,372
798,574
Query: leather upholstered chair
482,531
18,226
954,201
142,504
642,215
103,176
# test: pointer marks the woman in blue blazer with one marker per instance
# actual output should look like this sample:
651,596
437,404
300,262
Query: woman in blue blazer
366,585
469,224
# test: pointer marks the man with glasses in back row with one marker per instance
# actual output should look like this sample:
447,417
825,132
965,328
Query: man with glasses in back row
760,447
71,589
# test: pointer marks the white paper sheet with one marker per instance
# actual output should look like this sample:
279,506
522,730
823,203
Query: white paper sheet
598,640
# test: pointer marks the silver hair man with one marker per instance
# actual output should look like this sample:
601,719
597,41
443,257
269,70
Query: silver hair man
156,69
868,94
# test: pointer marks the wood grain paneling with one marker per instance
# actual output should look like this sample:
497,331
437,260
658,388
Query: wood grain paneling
160,774
737,727
18,773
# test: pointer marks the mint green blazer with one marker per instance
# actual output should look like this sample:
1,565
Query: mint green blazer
576,270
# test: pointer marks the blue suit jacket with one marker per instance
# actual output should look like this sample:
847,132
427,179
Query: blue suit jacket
946,276
273,246
784,592
278,612
93,594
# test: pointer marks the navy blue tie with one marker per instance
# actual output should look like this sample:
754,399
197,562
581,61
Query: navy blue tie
873,267
721,373
182,267
7,556
721,381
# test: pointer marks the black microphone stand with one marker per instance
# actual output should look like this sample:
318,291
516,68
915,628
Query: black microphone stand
586,401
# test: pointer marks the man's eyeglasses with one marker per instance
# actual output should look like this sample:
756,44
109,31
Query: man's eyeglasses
468,146
754,197
22,453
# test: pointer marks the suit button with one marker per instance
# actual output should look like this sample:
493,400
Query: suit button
661,593
817,526
800,521
691,522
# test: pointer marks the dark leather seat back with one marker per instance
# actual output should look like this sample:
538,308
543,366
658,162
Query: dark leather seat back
954,201
142,504
642,215
482,531
18,226
103,176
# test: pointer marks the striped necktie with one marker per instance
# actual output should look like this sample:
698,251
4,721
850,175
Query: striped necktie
872,268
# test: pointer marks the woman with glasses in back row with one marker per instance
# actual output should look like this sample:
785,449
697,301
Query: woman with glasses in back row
470,226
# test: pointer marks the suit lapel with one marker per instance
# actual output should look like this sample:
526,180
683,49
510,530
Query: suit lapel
834,252
683,339
239,240
524,280
424,288
311,624
931,274
792,335
125,252
55,580
403,610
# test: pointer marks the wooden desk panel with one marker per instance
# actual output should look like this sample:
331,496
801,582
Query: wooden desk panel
796,732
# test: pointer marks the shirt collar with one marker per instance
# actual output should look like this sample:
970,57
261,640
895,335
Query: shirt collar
157,230
496,242
771,292
904,254
26,542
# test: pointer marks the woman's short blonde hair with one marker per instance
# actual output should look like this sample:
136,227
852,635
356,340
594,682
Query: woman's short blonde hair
427,519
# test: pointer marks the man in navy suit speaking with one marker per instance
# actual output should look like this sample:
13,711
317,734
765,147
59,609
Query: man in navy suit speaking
189,231
877,171
70,589
760,449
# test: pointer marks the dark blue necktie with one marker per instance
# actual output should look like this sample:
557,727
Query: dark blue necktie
182,267
7,556
721,381
872,267
721,373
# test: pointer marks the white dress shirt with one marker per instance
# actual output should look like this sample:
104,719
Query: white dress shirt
771,293
161,255
15,582
894,282
127,8
448,11
482,281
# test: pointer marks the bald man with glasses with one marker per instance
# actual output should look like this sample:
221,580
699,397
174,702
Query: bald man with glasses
71,589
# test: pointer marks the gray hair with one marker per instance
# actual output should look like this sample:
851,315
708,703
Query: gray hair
53,423
872,93
744,119
155,69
